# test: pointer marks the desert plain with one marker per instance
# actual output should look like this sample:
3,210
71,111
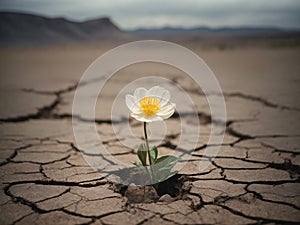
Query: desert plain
254,179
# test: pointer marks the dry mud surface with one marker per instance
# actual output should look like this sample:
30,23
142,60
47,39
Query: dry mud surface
253,180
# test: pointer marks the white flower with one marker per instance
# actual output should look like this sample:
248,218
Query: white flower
150,105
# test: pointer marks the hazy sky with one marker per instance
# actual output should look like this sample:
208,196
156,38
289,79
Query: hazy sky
130,14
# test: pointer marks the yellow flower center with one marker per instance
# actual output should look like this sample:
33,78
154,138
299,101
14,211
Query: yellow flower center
149,105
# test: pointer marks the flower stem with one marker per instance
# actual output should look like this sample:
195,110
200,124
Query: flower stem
147,143
148,150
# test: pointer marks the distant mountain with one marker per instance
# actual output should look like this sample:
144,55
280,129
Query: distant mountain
206,31
19,28
23,29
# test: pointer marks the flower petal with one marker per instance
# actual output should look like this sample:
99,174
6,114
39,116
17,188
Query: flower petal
167,110
130,101
167,115
167,107
144,118
132,104
163,103
160,93
140,93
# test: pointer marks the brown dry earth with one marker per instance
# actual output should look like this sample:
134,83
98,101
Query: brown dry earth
253,180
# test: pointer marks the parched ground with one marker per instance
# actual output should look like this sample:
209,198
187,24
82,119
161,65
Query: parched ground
253,180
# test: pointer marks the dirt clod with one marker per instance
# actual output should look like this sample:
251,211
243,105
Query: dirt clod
137,194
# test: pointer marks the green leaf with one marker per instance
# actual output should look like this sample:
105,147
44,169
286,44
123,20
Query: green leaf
141,168
163,167
142,154
153,154
165,175
167,161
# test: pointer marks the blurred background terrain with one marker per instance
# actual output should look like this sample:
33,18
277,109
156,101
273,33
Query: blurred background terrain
30,29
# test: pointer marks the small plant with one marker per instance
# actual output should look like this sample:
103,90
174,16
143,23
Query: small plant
148,106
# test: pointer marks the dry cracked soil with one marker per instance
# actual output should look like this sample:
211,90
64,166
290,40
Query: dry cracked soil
254,179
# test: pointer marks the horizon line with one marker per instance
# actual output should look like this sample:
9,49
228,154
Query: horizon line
166,26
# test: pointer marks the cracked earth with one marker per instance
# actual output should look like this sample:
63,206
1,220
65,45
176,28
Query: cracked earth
254,179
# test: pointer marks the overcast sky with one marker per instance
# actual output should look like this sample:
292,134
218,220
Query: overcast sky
129,14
